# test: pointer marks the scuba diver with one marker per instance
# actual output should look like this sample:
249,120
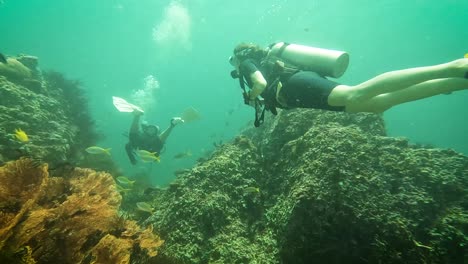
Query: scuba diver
290,76
148,138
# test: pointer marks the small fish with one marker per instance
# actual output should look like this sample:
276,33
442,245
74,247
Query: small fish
150,158
124,180
190,114
3,59
122,189
251,190
184,154
466,56
98,150
147,156
20,135
145,207
142,152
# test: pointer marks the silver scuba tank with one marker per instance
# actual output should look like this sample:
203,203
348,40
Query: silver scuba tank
325,62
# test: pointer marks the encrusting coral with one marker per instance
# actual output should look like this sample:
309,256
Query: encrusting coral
72,219
329,188
51,109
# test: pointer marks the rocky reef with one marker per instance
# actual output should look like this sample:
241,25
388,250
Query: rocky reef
317,187
51,109
51,211
71,219
308,186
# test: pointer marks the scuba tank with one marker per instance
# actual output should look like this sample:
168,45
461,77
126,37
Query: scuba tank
325,62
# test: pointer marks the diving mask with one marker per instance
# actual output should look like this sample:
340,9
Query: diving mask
149,127
233,61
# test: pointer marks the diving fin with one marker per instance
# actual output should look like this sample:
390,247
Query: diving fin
124,106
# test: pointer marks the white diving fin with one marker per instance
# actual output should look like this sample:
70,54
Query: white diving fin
124,106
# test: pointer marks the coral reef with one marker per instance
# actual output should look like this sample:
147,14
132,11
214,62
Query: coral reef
23,70
71,219
52,110
77,107
332,189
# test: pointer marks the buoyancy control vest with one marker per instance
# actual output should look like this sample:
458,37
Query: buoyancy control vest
285,59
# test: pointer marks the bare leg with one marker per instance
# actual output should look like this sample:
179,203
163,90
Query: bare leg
382,102
395,81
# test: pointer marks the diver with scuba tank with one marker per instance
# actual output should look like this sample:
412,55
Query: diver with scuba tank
290,76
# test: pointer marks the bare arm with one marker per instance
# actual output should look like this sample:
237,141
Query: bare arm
258,84
165,134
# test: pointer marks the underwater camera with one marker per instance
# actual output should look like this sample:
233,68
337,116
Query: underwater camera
233,61
234,74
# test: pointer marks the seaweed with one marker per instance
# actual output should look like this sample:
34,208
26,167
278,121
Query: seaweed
74,97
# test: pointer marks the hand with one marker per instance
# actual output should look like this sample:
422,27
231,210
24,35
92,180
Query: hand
252,103
257,102
249,99
176,121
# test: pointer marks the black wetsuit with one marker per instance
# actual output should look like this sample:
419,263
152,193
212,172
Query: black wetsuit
301,89
142,141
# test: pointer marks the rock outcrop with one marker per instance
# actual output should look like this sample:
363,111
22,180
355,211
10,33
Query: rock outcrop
332,188
52,110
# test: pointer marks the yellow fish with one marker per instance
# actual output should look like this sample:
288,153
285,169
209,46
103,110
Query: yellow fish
147,156
122,189
124,180
142,152
150,158
190,114
466,55
142,206
21,135
98,150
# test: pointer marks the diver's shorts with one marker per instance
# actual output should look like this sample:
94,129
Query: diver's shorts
307,89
